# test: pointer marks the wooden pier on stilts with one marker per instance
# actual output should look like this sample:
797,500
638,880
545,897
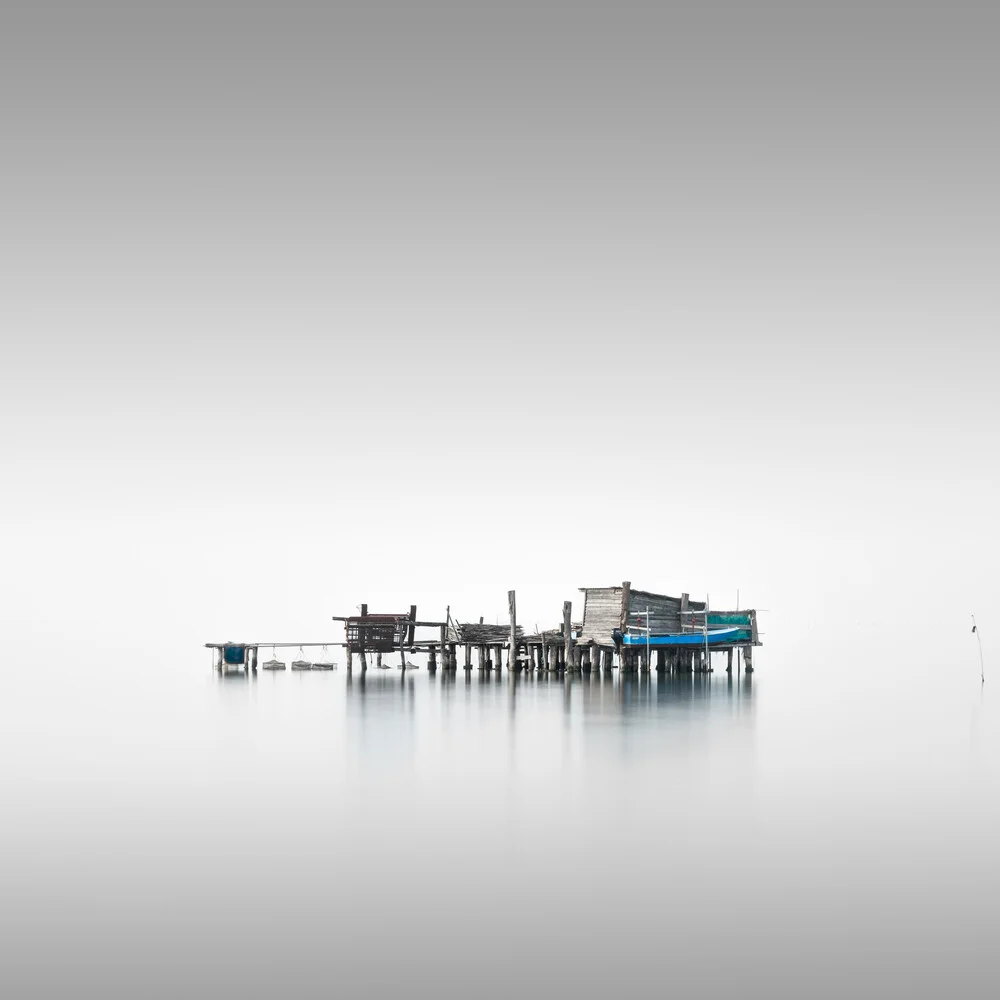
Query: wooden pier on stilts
636,631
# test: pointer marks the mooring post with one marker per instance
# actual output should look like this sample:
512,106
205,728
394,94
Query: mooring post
431,659
568,633
350,658
361,640
748,659
512,608
729,661
468,656
444,647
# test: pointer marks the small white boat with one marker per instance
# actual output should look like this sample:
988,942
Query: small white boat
409,666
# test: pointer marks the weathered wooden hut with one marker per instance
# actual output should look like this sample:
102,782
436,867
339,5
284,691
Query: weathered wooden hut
607,610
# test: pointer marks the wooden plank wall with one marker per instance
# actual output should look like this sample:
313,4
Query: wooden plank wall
602,612
602,609
665,612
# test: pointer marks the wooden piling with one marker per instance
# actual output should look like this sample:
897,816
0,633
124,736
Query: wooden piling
361,640
729,661
512,608
568,633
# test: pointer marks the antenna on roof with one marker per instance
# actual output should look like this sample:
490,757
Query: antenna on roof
982,672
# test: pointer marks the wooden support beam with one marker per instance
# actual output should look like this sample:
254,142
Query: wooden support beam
626,605
412,630
568,633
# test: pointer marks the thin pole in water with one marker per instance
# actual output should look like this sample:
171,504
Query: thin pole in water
982,671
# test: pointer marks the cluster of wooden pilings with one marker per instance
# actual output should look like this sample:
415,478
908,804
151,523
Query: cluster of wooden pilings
533,653
682,660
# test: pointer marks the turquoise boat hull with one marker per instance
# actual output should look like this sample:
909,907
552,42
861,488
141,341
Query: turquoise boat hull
715,637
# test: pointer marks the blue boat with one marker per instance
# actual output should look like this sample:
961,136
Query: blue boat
715,637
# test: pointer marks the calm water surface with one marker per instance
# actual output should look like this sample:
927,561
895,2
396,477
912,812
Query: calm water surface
814,832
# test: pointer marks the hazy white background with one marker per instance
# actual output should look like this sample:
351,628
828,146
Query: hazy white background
302,307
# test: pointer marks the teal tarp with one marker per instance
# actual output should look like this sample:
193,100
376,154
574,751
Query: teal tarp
731,618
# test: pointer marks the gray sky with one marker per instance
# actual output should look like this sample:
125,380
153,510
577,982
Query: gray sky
303,307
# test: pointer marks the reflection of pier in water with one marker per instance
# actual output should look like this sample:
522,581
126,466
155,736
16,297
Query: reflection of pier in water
596,693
